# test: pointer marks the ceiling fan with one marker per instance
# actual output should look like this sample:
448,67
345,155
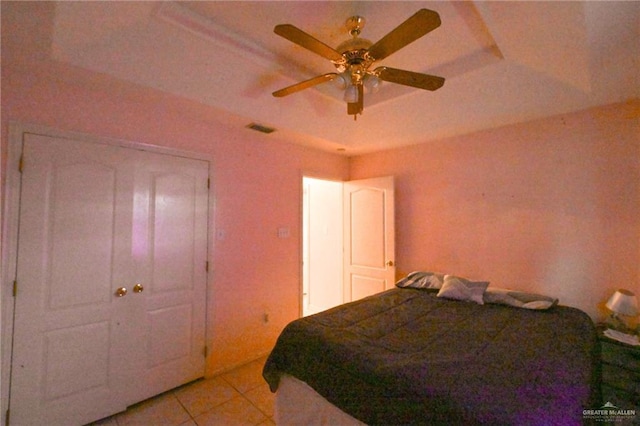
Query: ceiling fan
353,58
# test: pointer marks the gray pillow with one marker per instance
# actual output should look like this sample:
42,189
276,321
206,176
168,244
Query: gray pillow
421,279
519,299
463,289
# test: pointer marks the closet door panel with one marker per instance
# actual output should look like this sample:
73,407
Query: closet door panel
81,215
73,368
170,334
73,251
173,228
173,194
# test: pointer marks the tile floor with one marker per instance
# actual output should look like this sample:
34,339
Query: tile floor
238,397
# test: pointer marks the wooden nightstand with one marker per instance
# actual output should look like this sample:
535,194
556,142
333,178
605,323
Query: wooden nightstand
620,373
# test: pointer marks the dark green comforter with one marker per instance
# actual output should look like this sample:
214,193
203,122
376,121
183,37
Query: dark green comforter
406,356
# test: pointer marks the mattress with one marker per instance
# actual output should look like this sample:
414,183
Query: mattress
406,356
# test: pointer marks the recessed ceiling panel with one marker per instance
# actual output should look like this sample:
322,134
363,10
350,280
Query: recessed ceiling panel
502,62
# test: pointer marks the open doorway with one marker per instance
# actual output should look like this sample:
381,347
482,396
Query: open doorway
347,241
322,236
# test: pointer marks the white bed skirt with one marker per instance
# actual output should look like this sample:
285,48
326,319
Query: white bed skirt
298,404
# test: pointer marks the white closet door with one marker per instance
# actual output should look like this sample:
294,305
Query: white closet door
95,218
169,249
73,252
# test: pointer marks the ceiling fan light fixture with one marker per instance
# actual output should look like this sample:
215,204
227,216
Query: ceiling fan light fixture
372,83
351,94
342,81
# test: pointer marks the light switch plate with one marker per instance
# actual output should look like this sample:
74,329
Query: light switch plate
284,232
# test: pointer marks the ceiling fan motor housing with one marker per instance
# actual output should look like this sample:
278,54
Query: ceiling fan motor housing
354,51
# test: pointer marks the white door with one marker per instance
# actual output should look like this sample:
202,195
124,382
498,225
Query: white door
96,218
169,250
369,243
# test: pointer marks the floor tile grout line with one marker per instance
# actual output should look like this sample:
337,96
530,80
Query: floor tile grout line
243,395
175,395
255,406
236,388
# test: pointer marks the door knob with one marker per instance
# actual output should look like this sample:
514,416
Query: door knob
138,288
121,292
390,263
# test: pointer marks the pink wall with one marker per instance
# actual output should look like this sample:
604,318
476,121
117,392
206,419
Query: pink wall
257,180
548,206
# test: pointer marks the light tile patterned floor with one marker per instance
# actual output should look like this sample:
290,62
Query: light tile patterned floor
238,397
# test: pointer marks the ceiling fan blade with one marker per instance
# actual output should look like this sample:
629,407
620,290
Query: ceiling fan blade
422,22
305,84
354,108
409,78
307,41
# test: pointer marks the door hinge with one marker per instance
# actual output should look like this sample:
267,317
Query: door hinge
205,351
21,163
208,183
206,266
15,288
6,418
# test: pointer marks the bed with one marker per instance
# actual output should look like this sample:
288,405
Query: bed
416,354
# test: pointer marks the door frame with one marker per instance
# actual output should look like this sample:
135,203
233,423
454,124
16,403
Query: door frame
305,242
313,175
10,232
343,182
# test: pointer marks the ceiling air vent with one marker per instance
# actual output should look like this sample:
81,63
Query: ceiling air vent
261,128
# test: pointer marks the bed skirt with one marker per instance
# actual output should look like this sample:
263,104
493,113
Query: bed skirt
298,404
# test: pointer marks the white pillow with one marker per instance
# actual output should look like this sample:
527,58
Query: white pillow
463,289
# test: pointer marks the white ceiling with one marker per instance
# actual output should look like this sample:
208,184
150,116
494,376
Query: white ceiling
504,62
